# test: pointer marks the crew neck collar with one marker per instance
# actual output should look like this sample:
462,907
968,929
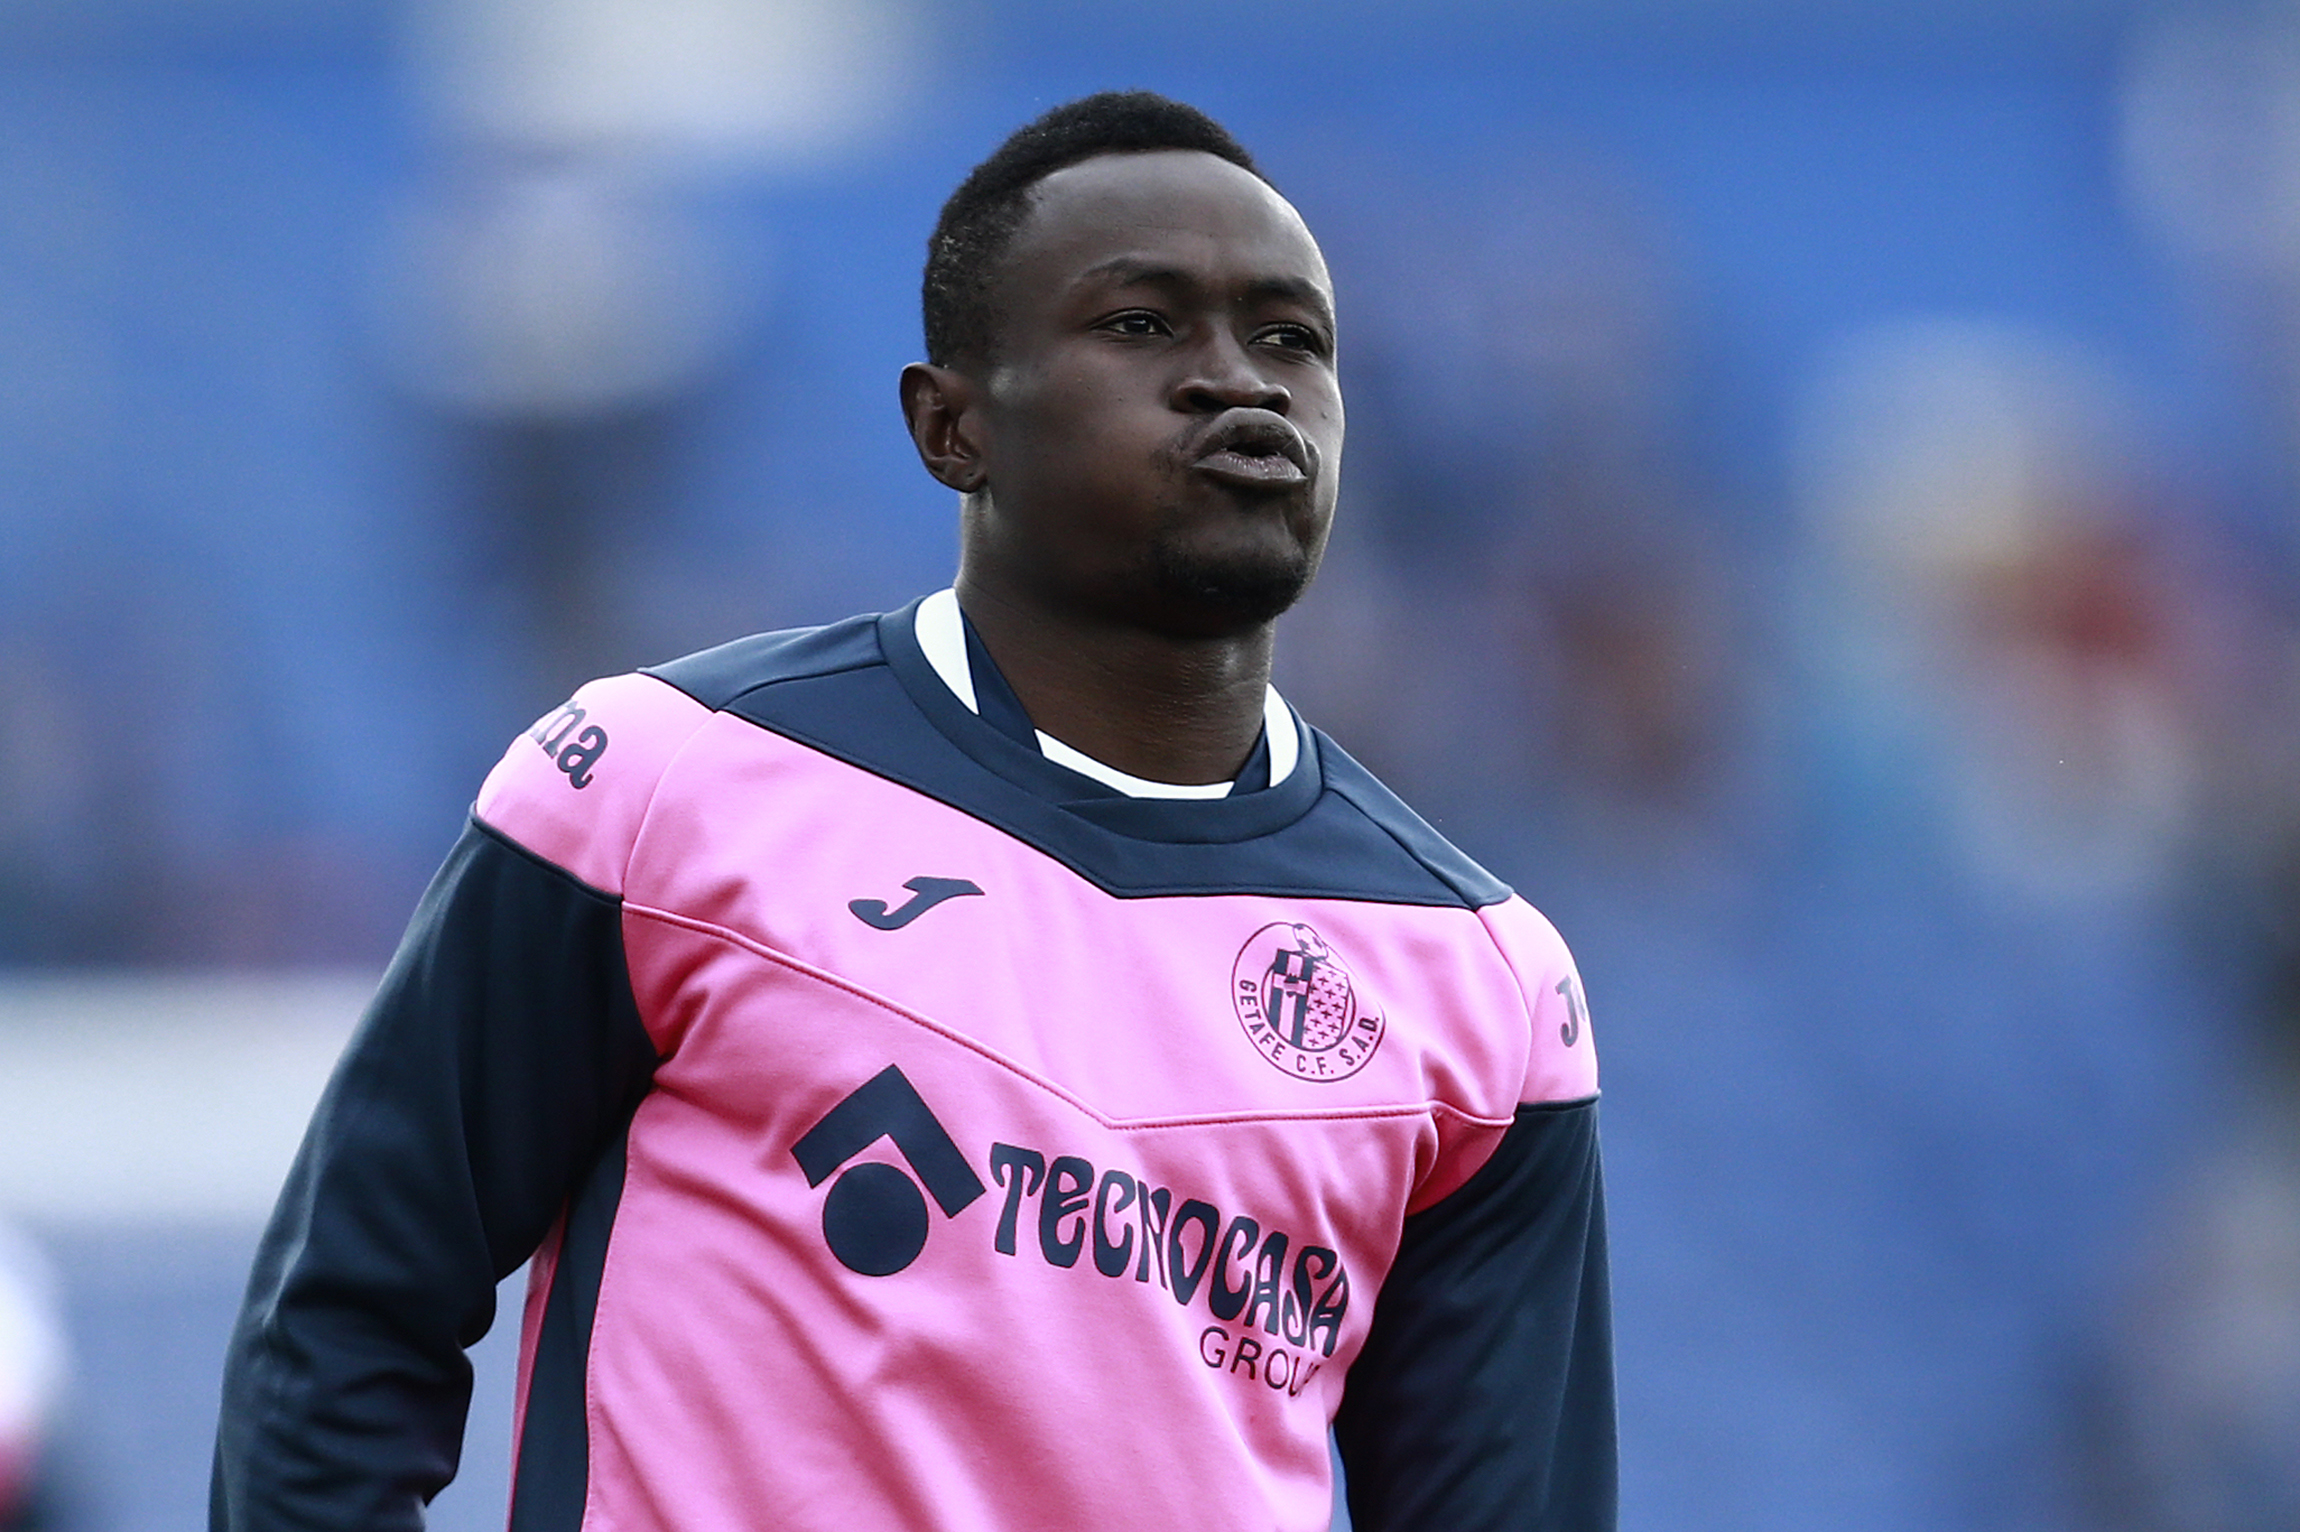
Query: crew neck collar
1247,812
956,653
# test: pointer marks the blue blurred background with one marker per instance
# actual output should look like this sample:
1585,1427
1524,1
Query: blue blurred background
1822,520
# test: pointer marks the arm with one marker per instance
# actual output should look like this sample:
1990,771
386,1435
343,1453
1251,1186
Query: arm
1484,1396
502,1053
1483,1399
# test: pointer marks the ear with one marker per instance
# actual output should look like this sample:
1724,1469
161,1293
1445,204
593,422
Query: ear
938,404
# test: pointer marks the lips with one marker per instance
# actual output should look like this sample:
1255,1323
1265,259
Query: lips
1254,449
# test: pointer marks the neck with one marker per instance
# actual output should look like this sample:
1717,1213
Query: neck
1184,710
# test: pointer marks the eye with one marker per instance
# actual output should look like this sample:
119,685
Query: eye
1294,337
1134,322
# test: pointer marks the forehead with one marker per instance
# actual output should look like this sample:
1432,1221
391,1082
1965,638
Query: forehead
1173,208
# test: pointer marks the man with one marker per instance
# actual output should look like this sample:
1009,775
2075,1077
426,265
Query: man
987,1066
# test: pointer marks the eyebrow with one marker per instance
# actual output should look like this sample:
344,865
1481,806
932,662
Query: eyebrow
1129,270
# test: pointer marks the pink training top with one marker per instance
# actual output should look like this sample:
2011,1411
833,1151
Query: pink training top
1016,1157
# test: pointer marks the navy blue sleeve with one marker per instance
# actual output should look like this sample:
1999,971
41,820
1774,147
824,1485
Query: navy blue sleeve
501,1055
1483,1399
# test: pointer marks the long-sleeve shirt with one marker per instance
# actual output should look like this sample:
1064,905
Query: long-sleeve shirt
910,1133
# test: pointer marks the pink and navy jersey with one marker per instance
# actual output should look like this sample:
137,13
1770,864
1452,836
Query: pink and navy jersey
912,1135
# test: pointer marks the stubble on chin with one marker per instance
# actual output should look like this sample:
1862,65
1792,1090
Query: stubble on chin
1230,589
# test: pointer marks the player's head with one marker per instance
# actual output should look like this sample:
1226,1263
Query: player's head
1131,374
981,217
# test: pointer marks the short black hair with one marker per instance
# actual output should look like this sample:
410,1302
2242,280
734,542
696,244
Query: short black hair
983,215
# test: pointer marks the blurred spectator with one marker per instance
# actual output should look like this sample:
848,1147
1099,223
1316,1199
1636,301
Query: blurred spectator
2019,696
2005,590
560,315
559,301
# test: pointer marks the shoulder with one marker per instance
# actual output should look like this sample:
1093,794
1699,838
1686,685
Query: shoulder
1561,1064
1561,1058
1413,836
575,788
717,678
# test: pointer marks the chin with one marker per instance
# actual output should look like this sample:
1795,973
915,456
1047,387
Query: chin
1230,594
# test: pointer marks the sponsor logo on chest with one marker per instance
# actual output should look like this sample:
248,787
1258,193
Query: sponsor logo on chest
1278,1302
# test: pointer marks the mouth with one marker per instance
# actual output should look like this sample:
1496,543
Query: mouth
1254,449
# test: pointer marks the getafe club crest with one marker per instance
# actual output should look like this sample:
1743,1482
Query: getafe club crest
1299,1006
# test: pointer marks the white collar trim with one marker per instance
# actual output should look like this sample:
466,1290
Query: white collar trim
942,637
942,634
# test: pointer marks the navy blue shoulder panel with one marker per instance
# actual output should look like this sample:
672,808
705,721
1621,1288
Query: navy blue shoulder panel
1364,791
716,677
861,691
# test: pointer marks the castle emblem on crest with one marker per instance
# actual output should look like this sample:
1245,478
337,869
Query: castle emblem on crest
1299,1005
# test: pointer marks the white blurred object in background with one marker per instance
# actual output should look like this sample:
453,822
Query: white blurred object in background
763,82
557,288
164,1101
554,267
32,1366
2210,140
2211,136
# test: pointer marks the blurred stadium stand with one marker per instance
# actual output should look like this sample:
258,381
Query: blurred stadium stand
1821,521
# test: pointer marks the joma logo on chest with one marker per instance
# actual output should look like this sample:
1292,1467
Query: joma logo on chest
572,744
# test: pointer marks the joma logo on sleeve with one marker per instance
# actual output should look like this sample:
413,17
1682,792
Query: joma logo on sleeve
1576,1011
572,744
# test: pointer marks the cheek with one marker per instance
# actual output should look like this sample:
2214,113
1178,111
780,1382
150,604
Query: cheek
1098,454
1319,414
1065,413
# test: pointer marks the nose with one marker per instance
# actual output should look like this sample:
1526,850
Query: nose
1226,375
